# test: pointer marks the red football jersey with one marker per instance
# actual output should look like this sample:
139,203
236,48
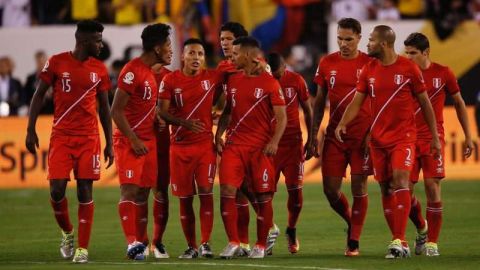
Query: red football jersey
439,81
138,80
339,76
251,100
294,89
75,86
391,89
226,66
161,74
191,97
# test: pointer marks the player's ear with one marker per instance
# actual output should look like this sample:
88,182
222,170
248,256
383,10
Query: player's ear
427,52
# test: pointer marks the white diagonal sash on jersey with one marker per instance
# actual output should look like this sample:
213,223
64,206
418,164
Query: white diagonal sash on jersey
247,113
341,101
145,117
431,97
76,102
291,101
196,108
386,103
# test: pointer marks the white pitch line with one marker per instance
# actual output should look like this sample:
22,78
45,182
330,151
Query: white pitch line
180,263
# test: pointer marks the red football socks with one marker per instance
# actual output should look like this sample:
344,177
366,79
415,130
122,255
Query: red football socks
160,218
206,216
60,210
416,214
434,218
243,220
264,221
229,217
359,212
402,210
142,222
388,203
187,218
294,205
85,220
128,212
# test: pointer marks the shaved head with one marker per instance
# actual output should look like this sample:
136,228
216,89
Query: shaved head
385,34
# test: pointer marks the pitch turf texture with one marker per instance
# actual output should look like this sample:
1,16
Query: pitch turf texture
29,237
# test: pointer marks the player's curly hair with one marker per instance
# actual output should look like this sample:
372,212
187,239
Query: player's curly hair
155,34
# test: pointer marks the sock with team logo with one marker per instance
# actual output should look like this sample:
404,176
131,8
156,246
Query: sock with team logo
388,203
187,218
142,222
359,212
128,212
416,214
434,218
85,220
60,210
294,205
264,221
160,218
229,217
243,212
402,210
206,216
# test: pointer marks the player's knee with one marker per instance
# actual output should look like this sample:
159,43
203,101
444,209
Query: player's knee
264,196
57,194
160,195
228,190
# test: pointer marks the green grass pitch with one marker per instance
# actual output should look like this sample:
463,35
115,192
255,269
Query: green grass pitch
29,237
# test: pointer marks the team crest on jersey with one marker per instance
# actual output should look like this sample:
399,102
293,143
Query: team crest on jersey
398,79
46,66
66,75
333,73
205,84
233,90
128,78
129,173
258,92
93,77
289,92
177,90
437,82
371,80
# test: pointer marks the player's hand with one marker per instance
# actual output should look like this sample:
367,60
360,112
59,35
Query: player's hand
108,154
195,125
365,143
215,118
138,147
311,149
339,131
219,144
270,149
31,142
162,124
436,148
468,146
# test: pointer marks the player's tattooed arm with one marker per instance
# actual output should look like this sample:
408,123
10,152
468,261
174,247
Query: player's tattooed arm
31,141
318,111
194,125
106,121
118,115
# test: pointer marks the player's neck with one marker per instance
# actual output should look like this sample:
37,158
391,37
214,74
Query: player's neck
157,68
149,58
190,72
426,64
351,56
389,58
251,70
80,55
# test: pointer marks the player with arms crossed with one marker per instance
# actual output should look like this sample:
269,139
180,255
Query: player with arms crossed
391,81
186,99
133,111
253,101
439,81
336,76
289,159
78,81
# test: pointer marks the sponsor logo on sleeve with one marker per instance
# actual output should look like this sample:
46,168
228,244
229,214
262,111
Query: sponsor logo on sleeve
128,78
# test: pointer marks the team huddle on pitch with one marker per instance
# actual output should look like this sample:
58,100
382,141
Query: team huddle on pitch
385,119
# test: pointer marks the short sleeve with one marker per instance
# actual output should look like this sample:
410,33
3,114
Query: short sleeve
362,80
302,88
276,94
105,83
48,72
318,79
451,83
166,87
417,82
127,80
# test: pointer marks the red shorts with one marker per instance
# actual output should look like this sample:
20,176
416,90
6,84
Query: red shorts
385,160
289,160
337,156
431,167
192,165
80,153
249,163
133,169
163,153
